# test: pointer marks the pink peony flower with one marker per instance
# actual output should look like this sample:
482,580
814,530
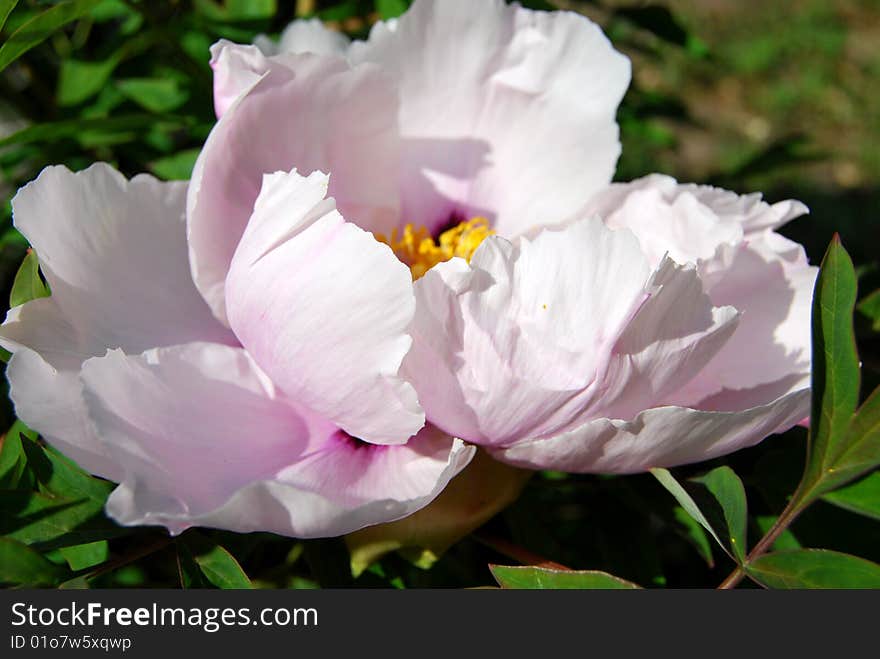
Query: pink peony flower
125,369
561,322
270,365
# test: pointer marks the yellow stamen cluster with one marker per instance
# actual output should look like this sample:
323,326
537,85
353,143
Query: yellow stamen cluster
416,248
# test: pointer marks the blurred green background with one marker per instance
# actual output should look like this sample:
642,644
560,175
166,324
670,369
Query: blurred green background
778,97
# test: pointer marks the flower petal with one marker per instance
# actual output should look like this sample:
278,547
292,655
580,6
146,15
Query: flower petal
515,344
319,114
324,309
205,440
772,343
505,112
659,437
114,254
306,36
669,342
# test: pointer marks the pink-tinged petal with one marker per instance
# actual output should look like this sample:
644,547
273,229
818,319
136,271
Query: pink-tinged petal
505,112
772,343
325,310
515,344
750,210
51,402
671,339
191,425
237,68
317,114
689,222
206,440
665,220
306,36
353,473
114,253
659,437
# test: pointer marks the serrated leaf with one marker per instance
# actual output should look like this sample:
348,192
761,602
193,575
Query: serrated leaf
154,94
835,380
41,27
685,500
6,7
217,564
391,8
90,554
27,285
814,568
730,494
862,497
21,565
534,578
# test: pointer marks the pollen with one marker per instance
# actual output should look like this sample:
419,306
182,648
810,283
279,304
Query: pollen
415,246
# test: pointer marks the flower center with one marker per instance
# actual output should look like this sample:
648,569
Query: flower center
415,246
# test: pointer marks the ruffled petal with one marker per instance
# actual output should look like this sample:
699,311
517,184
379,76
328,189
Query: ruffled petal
114,254
672,338
206,440
515,344
324,309
659,437
505,112
306,36
316,113
773,342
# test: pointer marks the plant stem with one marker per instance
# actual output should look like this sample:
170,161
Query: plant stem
517,553
794,508
109,566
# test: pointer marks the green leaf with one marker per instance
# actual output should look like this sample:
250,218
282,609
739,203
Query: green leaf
6,7
730,494
534,578
154,94
870,307
80,557
41,27
695,534
862,497
19,564
217,564
27,285
74,128
62,477
77,583
835,370
814,568
79,81
176,167
859,453
786,539
685,500
12,458
391,8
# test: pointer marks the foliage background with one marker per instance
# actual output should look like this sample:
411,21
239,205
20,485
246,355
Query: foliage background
777,97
